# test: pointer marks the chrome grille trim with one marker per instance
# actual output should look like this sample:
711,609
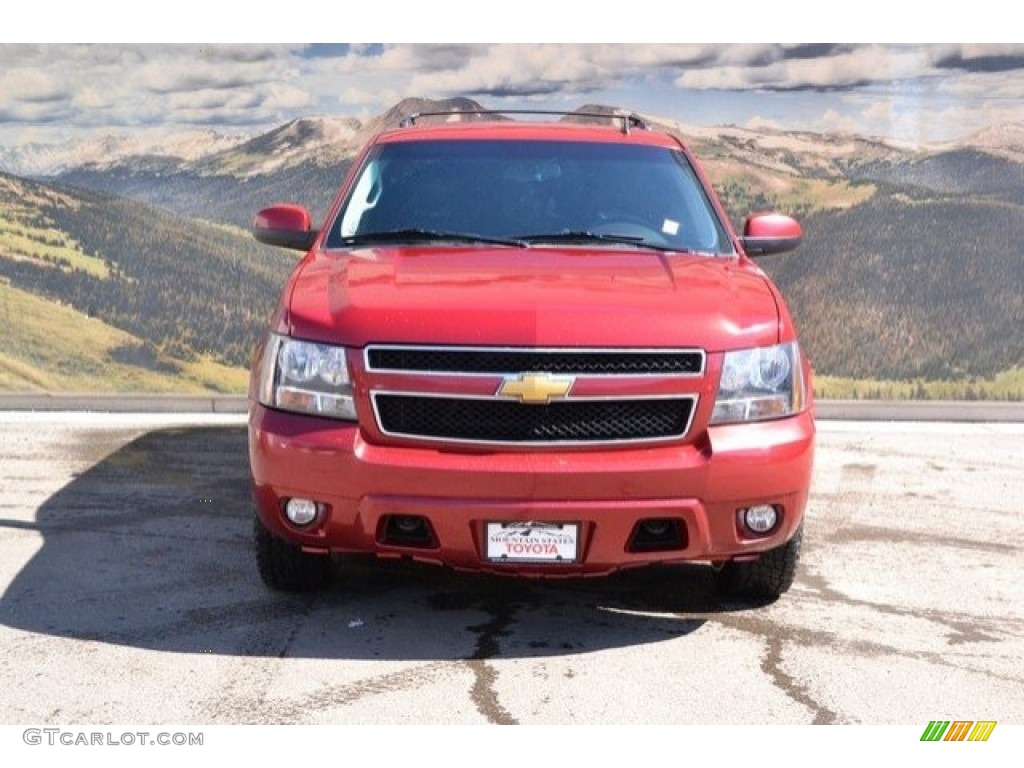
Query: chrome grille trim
535,352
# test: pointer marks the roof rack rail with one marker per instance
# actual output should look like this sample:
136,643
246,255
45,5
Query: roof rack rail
629,120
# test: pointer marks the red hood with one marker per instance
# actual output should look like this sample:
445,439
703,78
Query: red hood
531,297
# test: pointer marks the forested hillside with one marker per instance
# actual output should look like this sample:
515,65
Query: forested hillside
959,172
905,287
217,197
182,286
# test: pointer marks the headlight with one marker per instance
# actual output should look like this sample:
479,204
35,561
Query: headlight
305,377
759,384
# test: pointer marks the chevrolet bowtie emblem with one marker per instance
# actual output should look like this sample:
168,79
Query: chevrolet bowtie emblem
535,388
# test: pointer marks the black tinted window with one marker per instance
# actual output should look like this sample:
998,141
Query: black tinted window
520,188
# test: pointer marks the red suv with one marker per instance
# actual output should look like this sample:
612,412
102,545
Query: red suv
530,348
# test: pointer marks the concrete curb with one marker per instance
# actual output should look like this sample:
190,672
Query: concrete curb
123,403
827,410
972,411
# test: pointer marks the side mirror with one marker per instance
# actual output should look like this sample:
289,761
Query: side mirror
285,225
765,233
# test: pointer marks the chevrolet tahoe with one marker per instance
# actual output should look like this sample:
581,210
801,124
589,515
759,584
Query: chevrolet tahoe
530,348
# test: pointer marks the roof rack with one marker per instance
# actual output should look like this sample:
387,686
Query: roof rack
629,120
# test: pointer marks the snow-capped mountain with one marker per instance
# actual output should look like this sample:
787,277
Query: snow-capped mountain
1006,140
106,151
320,140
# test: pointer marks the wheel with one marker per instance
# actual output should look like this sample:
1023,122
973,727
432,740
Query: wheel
765,578
285,567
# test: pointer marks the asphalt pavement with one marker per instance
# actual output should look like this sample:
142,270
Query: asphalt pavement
130,595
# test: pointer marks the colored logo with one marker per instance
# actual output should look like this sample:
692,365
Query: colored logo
535,388
958,730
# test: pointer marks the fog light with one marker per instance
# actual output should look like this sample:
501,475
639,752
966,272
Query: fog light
760,518
301,511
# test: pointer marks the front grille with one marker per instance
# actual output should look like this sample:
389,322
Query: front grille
502,421
513,361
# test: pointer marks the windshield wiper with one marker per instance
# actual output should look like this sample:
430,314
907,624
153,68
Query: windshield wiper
583,236
420,235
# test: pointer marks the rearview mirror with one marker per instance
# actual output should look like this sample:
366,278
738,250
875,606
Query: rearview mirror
765,233
285,225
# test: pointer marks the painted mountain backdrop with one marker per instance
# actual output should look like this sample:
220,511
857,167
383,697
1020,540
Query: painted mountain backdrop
129,267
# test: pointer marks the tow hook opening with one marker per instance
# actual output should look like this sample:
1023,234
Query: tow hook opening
407,531
657,534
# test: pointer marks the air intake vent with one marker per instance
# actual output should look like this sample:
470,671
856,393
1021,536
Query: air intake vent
501,421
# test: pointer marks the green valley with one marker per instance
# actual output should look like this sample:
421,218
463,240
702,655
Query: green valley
55,348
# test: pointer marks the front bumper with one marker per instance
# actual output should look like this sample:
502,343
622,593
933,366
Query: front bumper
700,484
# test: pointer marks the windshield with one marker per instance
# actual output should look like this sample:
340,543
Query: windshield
616,195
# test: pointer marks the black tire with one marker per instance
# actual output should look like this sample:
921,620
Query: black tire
765,578
284,566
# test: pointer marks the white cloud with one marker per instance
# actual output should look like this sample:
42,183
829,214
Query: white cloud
989,86
835,122
89,97
841,69
106,87
133,85
353,96
284,97
759,123
31,86
879,110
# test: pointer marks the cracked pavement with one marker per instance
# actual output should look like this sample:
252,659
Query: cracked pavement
130,595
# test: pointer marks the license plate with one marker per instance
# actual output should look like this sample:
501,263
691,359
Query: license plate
533,542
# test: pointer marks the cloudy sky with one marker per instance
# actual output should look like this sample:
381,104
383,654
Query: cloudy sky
918,93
